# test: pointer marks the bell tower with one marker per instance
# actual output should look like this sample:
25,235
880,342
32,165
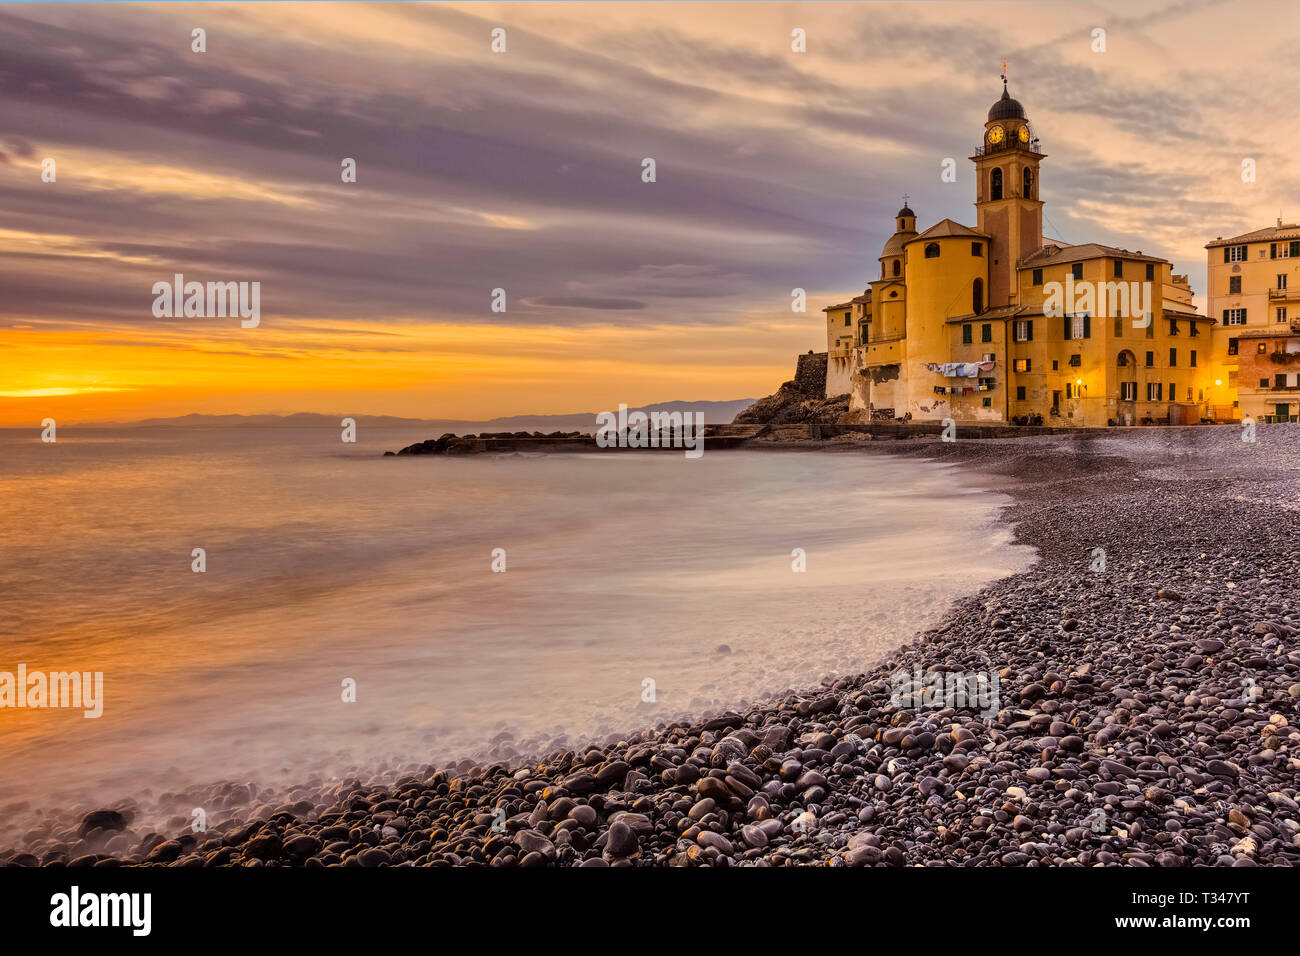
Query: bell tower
1006,193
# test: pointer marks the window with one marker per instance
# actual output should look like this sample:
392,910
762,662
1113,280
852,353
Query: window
1128,391
1150,325
1069,390
1279,250
987,383
1151,360
1193,358
995,190
1119,268
1151,271
1055,365
1022,365
1078,326
1232,346
1076,361
1153,391
1263,383
1173,358
1234,253
1038,277
1020,393
1173,326
966,334
1029,184
1295,248
1192,325
1279,381
1262,348
848,319
1122,360
977,298
1281,281
1232,379
1173,392
1234,316
897,265
932,250
986,333
1281,313
977,248
988,402
1119,326
1234,285
1076,270
1024,330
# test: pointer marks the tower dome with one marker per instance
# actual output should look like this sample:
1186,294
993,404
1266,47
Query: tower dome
1006,107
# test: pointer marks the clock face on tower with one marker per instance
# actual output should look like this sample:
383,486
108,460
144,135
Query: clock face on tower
996,135
1023,133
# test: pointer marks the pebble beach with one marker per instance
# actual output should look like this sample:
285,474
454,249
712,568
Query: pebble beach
1148,678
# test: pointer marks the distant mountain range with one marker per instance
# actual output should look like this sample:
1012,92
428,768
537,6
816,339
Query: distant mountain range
715,413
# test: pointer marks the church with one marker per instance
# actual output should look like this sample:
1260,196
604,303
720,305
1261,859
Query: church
994,323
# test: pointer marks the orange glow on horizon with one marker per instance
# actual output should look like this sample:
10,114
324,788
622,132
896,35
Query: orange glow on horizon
416,370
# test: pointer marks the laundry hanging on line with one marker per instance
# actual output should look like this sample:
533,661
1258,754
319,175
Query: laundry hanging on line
960,369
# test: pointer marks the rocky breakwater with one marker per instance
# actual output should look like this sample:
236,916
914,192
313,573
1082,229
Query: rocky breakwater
450,444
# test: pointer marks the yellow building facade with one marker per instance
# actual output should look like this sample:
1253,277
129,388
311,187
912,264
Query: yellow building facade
1254,292
992,323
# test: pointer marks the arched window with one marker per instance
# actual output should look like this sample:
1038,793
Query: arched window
996,190
932,250
897,267
977,296
1029,183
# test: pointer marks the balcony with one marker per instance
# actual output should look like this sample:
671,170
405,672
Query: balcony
1283,294
1007,145
885,339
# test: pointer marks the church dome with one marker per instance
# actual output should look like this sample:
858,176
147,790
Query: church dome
1006,108
905,211
894,245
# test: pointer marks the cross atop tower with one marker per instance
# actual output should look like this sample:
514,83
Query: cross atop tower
906,197
1004,73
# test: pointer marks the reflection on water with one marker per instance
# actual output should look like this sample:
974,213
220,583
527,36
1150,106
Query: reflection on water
326,561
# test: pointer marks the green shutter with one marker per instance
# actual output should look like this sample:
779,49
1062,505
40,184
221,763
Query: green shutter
1029,330
1087,326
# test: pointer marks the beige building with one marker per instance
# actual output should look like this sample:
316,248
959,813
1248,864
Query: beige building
1254,292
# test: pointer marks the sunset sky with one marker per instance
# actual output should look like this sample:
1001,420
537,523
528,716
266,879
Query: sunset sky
522,170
